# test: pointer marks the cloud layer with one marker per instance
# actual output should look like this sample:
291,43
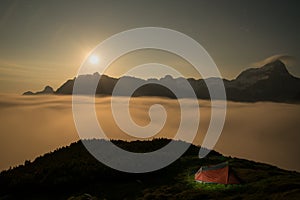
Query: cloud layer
288,60
266,132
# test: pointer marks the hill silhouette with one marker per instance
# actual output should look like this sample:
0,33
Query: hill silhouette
46,90
271,82
72,173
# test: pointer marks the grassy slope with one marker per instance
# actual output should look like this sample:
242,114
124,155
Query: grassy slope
71,171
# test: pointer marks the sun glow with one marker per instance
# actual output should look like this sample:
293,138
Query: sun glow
94,59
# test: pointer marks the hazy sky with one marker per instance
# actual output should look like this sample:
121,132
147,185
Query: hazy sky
44,42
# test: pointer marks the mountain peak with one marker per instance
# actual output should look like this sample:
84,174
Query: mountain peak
48,90
276,66
272,69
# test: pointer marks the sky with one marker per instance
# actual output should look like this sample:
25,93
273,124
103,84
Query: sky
45,42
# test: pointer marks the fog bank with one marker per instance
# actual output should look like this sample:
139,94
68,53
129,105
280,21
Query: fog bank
264,131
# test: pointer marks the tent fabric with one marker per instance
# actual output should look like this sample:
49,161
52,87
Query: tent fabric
215,167
220,173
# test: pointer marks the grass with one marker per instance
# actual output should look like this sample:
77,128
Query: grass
71,172
211,186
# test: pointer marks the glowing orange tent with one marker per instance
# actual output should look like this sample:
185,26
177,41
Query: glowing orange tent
220,173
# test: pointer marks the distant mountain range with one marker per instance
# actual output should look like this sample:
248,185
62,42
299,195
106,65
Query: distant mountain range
271,82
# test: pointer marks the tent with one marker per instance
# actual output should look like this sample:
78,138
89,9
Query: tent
220,173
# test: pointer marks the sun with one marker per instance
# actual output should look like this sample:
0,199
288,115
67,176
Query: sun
94,59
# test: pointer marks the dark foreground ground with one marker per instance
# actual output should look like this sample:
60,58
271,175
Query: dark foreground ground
72,173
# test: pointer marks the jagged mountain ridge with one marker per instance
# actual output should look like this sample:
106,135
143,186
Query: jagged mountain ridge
46,90
271,82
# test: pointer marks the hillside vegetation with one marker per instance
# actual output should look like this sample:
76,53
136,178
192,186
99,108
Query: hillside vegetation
72,173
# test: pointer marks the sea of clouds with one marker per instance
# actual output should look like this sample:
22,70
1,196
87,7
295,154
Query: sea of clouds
33,125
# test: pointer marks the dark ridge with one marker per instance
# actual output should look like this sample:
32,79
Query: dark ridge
72,172
271,82
46,90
